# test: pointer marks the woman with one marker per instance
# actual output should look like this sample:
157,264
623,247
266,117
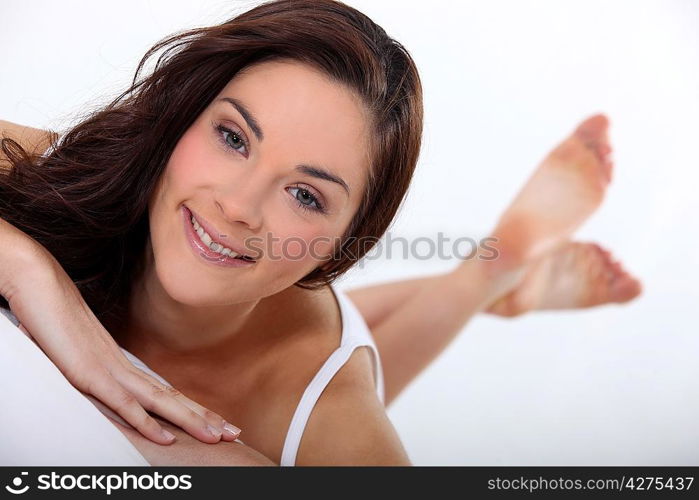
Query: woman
296,123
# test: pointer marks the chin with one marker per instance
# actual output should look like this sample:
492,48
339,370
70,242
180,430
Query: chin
195,288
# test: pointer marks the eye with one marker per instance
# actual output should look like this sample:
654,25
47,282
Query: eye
232,139
305,199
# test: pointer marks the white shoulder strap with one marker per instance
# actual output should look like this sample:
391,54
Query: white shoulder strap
309,399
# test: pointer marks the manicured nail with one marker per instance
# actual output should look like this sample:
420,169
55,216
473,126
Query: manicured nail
214,432
231,429
168,435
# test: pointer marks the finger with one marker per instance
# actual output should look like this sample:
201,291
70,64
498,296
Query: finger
127,431
170,404
111,393
229,431
132,383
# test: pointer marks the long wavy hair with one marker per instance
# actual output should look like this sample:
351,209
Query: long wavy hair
86,201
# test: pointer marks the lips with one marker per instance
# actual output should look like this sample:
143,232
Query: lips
215,236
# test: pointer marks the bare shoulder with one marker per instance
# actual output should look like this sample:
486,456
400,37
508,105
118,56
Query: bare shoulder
34,140
349,425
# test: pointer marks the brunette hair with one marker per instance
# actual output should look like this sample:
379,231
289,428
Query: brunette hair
86,201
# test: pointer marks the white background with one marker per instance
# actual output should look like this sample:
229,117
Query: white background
504,82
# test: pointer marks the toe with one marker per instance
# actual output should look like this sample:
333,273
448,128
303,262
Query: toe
625,288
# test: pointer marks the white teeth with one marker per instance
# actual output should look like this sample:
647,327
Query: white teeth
206,239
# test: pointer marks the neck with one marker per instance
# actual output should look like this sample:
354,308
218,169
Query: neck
157,323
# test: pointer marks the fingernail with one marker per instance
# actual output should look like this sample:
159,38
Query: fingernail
214,432
168,435
231,429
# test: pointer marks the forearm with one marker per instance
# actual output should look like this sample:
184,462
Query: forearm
29,275
429,312
17,255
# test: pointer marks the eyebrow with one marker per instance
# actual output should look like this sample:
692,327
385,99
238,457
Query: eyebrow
312,170
247,116
321,173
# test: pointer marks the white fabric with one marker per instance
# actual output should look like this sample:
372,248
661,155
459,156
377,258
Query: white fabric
45,421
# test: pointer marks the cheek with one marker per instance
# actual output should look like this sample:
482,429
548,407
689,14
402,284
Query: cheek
184,168
302,249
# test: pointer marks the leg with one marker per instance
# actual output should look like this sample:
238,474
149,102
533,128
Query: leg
46,421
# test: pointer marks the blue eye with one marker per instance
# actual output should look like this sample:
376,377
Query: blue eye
304,195
232,139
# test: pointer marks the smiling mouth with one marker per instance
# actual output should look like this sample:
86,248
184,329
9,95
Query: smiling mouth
217,246
211,249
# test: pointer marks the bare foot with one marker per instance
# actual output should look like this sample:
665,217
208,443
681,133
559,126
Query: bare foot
566,188
574,276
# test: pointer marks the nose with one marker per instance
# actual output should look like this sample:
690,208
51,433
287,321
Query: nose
241,205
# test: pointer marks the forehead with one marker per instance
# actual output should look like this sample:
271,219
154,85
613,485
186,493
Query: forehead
305,115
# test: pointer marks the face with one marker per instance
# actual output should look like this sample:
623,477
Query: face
275,166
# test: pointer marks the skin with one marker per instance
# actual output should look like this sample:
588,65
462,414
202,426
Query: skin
577,275
584,276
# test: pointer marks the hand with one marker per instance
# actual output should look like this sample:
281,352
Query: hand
53,313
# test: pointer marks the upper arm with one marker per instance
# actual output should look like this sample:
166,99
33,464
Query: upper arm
33,140
187,450
349,425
